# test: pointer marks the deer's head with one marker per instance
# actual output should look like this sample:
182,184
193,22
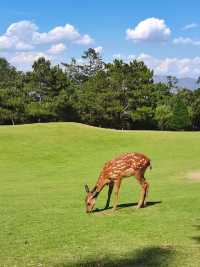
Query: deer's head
90,199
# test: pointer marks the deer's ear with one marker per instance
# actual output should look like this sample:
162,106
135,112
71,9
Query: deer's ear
87,188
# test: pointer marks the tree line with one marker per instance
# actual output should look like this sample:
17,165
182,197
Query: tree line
116,95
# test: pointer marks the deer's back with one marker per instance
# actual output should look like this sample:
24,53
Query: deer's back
125,165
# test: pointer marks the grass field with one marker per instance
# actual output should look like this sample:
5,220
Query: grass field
42,213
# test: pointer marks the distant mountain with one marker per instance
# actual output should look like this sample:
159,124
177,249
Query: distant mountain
187,82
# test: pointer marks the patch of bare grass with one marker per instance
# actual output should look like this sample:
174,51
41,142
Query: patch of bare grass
195,176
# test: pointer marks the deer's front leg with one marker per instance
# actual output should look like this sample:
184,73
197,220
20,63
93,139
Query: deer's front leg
110,189
117,187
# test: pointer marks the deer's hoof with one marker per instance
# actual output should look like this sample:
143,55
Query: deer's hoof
140,206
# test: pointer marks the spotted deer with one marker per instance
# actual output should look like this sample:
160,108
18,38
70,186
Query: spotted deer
126,165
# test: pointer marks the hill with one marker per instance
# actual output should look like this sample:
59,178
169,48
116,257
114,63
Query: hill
186,82
43,222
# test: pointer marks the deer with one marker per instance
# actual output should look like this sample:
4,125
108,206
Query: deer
112,173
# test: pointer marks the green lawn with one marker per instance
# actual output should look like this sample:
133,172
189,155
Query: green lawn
42,213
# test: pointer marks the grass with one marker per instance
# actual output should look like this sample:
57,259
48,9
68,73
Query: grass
43,222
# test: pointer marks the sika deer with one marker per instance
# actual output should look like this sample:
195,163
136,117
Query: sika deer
126,165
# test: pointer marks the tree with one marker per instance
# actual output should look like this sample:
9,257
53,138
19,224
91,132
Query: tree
12,96
131,84
143,117
7,71
92,62
93,99
195,110
180,118
163,116
49,92
187,96
115,95
161,94
79,72
109,97
172,83
38,84
198,80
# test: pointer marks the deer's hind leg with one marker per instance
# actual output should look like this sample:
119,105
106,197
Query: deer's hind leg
110,189
146,192
144,189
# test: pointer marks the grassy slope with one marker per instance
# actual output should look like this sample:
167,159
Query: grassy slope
43,220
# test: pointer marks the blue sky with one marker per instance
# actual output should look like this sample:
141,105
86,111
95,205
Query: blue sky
165,34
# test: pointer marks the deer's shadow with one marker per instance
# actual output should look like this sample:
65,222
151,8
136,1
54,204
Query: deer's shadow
148,257
197,238
127,205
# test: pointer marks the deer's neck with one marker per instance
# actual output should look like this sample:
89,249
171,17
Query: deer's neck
98,187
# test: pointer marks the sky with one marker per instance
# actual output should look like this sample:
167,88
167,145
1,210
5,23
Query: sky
164,34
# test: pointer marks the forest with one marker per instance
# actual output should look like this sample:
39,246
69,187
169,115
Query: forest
117,94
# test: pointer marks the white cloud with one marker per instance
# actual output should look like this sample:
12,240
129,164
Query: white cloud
98,49
62,33
24,35
190,26
19,36
151,29
67,32
23,43
179,67
84,40
124,58
118,56
23,46
22,29
131,57
57,49
5,42
24,60
26,57
185,41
